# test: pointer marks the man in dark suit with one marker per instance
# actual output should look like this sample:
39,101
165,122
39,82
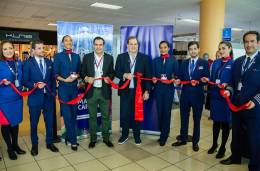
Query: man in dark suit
127,65
39,70
192,95
95,65
245,87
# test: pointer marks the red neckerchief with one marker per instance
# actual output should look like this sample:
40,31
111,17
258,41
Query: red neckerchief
225,59
165,56
68,51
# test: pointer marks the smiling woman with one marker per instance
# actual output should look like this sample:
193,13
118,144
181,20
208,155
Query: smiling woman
11,104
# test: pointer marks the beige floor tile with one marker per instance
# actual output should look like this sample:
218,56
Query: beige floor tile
204,157
70,168
22,159
187,149
45,153
53,163
67,149
172,168
130,167
135,154
213,169
2,164
192,164
155,148
25,167
78,157
94,165
101,151
172,156
124,147
153,163
234,167
114,161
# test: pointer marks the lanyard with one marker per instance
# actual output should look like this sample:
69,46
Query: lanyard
249,65
132,63
15,73
98,64
220,69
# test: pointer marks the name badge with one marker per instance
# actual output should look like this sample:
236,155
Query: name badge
44,90
16,82
217,81
163,77
239,86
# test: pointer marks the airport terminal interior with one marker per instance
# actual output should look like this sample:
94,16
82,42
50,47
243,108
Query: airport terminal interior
206,21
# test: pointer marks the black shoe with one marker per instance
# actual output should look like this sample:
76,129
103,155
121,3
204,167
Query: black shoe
162,143
229,161
57,139
179,143
221,153
213,149
122,140
52,148
92,144
18,150
109,143
74,147
34,150
195,147
138,141
11,154
159,140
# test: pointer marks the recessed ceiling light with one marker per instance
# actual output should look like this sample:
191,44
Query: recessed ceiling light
52,24
188,20
108,6
237,29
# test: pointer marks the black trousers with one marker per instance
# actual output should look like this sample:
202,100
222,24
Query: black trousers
10,135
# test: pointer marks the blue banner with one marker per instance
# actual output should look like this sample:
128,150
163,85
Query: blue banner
83,35
149,38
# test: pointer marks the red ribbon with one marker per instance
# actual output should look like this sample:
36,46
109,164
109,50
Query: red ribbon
139,104
139,112
68,51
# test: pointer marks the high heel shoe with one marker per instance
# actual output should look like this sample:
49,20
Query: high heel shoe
213,149
221,152
18,150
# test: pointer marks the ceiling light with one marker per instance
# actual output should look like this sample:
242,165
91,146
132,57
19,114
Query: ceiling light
52,24
108,6
188,20
237,29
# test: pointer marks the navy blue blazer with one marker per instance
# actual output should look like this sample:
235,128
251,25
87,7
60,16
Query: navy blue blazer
32,74
250,81
142,66
170,68
201,70
63,67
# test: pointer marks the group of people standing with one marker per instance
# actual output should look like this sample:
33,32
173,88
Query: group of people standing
239,77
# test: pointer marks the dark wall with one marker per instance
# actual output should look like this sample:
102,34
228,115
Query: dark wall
49,37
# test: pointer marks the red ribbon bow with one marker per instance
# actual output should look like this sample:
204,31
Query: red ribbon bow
139,108
68,51
165,56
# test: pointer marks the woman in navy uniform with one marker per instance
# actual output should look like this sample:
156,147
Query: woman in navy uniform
66,68
11,104
165,67
219,110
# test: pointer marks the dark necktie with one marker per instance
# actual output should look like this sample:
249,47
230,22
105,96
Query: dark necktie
41,67
192,65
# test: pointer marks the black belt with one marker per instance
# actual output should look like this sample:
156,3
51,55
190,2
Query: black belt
98,88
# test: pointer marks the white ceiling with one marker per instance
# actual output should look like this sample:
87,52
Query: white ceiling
36,14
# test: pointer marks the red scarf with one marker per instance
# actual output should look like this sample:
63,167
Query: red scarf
165,56
68,51
225,59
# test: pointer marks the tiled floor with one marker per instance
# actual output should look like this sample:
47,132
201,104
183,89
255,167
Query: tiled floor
126,157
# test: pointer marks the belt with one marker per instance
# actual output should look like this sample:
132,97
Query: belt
98,88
